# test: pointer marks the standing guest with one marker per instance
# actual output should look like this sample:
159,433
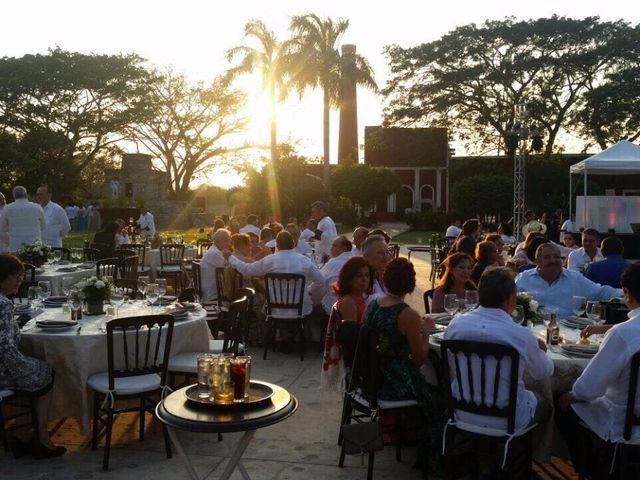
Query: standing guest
566,227
19,372
506,231
491,322
309,230
340,253
23,221
597,402
82,220
455,280
545,220
302,247
56,221
4,237
403,349
72,214
147,223
466,242
359,236
580,259
234,226
376,252
105,239
325,230
609,270
94,217
252,225
210,261
453,230
487,254
554,286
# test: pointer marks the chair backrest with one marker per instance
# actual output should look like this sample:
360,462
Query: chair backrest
107,266
28,281
250,294
66,252
91,254
394,250
140,249
426,297
285,291
138,350
202,245
128,267
102,248
122,253
197,277
237,326
228,282
366,376
170,254
468,375
631,419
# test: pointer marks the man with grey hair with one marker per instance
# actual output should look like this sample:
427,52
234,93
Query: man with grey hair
210,261
359,236
376,252
22,220
57,222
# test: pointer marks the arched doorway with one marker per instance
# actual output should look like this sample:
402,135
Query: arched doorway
404,201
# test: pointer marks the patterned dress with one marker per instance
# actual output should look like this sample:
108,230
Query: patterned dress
18,371
402,380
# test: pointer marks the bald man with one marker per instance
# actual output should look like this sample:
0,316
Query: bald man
22,220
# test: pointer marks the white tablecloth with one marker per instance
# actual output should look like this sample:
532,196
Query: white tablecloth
75,357
152,258
55,276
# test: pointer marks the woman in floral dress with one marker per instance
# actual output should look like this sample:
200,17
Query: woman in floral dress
19,372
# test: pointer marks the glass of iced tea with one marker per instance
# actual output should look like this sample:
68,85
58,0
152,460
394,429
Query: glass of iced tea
247,381
221,385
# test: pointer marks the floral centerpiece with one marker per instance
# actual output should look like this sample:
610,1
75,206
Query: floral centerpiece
35,253
530,306
94,291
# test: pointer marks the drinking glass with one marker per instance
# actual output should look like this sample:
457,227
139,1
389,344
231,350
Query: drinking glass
205,362
451,303
238,374
221,384
162,287
579,305
594,312
518,314
67,285
57,255
152,294
247,380
118,296
472,299
45,290
110,314
462,305
34,295
142,284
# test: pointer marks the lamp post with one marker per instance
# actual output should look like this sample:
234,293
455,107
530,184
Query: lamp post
516,143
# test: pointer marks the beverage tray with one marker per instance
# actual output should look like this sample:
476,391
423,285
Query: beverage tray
259,393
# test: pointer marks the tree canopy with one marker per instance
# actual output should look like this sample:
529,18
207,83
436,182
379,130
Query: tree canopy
363,184
470,79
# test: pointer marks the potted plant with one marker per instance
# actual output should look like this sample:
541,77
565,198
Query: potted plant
35,253
94,291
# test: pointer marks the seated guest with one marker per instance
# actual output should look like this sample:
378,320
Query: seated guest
524,244
284,260
580,259
309,230
359,236
376,252
505,230
598,399
340,253
456,279
122,237
379,231
491,322
242,247
569,241
106,239
256,248
466,242
487,254
234,226
554,286
453,230
351,287
266,238
218,223
211,260
302,247
527,258
20,372
609,270
403,348
497,239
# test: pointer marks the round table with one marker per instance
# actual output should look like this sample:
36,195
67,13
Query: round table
178,413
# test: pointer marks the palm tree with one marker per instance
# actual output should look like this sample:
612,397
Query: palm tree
314,61
269,60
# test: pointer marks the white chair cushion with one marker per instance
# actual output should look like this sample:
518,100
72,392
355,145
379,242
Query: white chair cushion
170,268
186,362
5,394
383,404
491,432
125,385
215,346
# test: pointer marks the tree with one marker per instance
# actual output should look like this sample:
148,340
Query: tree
470,79
363,184
316,62
67,108
189,127
483,195
270,60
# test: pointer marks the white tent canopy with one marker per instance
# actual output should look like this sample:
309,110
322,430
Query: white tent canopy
623,158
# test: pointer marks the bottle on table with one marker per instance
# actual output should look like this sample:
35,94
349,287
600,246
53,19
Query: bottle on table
553,330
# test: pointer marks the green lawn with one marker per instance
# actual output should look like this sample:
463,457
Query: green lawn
413,237
76,239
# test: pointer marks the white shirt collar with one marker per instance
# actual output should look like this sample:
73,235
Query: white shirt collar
634,313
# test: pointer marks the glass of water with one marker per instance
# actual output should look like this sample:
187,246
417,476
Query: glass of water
205,361
579,305
451,303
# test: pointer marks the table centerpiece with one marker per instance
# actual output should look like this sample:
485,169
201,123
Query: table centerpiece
94,291
35,253
530,306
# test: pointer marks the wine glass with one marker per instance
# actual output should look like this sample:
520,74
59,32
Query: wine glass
451,303
152,294
462,305
119,297
518,314
33,293
143,280
579,305
472,299
594,312
67,285
45,290
57,256
162,287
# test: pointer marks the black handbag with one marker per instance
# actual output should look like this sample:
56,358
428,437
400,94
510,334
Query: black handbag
362,437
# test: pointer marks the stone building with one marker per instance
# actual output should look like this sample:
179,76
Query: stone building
139,183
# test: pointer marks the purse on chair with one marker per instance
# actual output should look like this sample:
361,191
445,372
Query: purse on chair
362,437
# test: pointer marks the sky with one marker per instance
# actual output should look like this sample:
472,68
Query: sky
192,36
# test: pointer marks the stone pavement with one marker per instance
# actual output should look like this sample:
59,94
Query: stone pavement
302,447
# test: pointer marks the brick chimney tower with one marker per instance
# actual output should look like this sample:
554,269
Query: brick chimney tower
348,133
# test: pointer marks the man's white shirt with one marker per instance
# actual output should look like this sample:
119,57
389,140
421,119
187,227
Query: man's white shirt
250,228
23,221
331,271
56,224
208,264
452,231
329,233
146,220
578,259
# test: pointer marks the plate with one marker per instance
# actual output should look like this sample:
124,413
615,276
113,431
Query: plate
259,392
168,298
586,351
55,325
67,269
441,318
575,322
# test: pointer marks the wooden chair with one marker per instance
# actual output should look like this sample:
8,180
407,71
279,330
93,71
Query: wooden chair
394,250
285,300
91,254
66,252
427,297
122,253
107,266
23,404
459,352
29,281
228,282
128,274
138,351
141,251
170,265
202,245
